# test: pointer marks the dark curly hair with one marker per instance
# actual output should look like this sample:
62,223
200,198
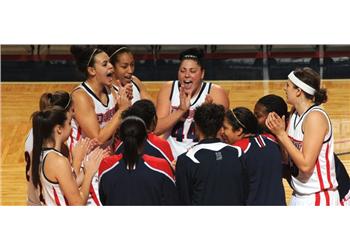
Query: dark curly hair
209,118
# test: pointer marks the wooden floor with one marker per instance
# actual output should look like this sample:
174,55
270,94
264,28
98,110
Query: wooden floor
19,101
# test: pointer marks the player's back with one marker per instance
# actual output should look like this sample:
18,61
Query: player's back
263,161
211,173
150,182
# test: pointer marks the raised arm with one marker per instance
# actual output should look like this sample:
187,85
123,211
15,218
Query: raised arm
315,127
60,168
85,115
166,118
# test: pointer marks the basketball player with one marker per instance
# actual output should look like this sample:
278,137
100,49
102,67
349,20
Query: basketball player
58,98
273,103
177,101
308,140
51,171
263,159
123,63
97,106
134,178
155,145
211,172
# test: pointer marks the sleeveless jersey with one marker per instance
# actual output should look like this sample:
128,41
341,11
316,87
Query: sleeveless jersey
52,193
323,176
104,114
32,192
135,92
182,136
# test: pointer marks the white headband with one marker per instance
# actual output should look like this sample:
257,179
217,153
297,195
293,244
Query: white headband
301,84
115,52
93,52
133,117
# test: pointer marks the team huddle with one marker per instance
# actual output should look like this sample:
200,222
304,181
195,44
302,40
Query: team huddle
108,143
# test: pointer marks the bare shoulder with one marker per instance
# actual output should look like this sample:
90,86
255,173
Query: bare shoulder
219,95
217,88
316,117
165,89
80,96
163,99
56,163
136,80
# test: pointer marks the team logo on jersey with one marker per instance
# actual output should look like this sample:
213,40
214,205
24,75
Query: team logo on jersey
106,116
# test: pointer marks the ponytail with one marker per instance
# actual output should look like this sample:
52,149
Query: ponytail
321,96
43,123
37,145
133,134
58,98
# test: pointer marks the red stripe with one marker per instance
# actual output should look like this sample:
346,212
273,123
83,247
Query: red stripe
79,133
319,174
317,199
326,194
216,55
260,141
328,168
66,201
94,196
57,200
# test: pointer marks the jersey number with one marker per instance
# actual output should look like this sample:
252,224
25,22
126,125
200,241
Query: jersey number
178,132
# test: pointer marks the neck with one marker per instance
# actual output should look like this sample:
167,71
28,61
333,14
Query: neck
52,144
95,86
302,106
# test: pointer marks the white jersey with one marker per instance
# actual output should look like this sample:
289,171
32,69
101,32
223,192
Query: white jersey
182,136
104,114
52,193
32,192
323,178
136,93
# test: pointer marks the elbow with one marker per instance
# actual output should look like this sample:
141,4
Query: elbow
306,171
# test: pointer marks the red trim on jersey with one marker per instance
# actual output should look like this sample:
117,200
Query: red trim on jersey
94,196
159,164
319,174
108,162
78,133
317,199
293,139
328,168
162,145
57,200
260,141
65,200
326,194
243,144
271,137
117,143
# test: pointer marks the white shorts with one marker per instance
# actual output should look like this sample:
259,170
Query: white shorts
324,198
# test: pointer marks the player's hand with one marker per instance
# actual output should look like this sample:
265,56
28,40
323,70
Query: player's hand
275,123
